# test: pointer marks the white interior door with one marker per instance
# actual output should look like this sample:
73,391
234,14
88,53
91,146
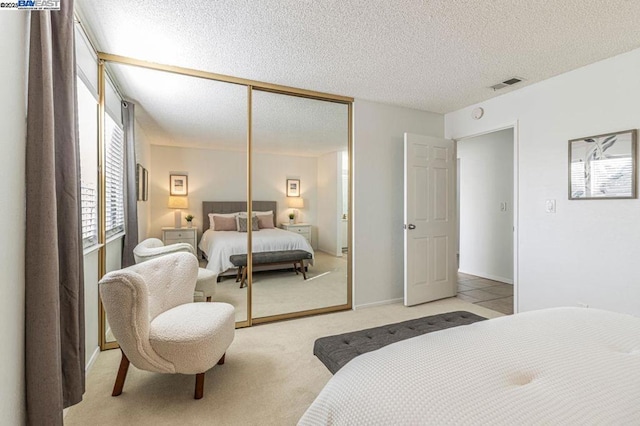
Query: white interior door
429,219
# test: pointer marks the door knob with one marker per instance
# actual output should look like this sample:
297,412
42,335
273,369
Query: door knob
411,226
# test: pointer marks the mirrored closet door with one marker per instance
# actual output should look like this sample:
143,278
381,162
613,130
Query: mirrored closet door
205,145
193,129
300,150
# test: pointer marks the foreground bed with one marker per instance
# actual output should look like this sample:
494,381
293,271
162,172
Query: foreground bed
555,366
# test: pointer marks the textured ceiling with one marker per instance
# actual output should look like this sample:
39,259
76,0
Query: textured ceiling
438,55
178,110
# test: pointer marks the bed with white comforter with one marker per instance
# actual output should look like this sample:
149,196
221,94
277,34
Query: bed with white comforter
218,246
556,366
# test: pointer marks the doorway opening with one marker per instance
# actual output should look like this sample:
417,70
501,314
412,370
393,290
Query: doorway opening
486,219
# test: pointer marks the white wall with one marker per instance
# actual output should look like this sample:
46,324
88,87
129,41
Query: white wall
221,176
378,196
588,251
330,203
486,180
13,50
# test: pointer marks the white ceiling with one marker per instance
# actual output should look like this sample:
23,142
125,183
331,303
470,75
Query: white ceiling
438,55
178,110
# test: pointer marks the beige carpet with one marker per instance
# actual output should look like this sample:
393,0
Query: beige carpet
270,376
281,292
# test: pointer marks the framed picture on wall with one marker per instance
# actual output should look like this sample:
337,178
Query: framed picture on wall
293,187
139,182
178,185
142,183
603,166
145,184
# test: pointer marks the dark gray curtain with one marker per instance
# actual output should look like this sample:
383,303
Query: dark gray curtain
131,197
54,293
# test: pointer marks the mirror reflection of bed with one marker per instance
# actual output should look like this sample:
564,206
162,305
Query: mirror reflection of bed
278,287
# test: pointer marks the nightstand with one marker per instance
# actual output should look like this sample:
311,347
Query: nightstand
303,229
171,235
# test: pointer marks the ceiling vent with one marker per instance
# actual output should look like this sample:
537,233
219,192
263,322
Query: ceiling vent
507,83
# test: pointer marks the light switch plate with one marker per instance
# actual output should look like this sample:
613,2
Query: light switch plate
550,206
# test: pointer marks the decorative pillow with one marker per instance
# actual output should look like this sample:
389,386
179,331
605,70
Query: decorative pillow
222,223
265,221
212,222
242,224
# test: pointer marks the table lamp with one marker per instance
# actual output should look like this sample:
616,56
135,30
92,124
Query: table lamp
295,203
178,203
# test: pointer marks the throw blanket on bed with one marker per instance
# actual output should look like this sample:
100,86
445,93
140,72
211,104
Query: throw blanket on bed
555,366
220,245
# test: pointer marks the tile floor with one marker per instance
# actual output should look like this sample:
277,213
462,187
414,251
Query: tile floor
487,293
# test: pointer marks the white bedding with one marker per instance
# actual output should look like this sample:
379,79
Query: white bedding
555,366
220,245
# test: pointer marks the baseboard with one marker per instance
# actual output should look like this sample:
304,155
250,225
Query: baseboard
92,360
382,302
330,253
488,276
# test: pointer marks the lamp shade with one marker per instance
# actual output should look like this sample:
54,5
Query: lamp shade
178,202
295,202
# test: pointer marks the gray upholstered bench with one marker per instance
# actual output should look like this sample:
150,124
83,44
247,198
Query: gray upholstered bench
296,257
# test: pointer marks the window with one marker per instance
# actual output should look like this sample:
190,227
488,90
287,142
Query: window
88,132
114,174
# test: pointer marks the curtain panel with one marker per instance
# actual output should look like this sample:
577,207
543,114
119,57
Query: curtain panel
54,287
130,184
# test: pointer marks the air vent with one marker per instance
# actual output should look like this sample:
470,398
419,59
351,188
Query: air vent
507,83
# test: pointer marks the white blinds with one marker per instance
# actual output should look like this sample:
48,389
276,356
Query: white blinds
114,172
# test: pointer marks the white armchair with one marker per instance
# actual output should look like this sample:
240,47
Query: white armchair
152,248
158,327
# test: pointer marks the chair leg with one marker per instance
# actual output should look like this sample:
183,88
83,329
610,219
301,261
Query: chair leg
221,360
295,267
199,393
244,277
122,375
304,273
239,274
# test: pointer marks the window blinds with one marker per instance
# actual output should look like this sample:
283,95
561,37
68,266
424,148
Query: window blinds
114,174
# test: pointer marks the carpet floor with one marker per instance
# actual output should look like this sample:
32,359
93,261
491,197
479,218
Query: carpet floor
270,376
281,292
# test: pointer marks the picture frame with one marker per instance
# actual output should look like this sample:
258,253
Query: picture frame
139,182
293,187
603,167
145,184
178,185
142,183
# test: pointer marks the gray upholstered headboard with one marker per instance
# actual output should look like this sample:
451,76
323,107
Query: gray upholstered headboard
235,206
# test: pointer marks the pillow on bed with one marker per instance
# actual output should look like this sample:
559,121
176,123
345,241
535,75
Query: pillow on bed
242,224
222,223
212,221
265,221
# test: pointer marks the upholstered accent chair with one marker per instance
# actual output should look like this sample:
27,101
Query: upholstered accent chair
158,326
152,248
